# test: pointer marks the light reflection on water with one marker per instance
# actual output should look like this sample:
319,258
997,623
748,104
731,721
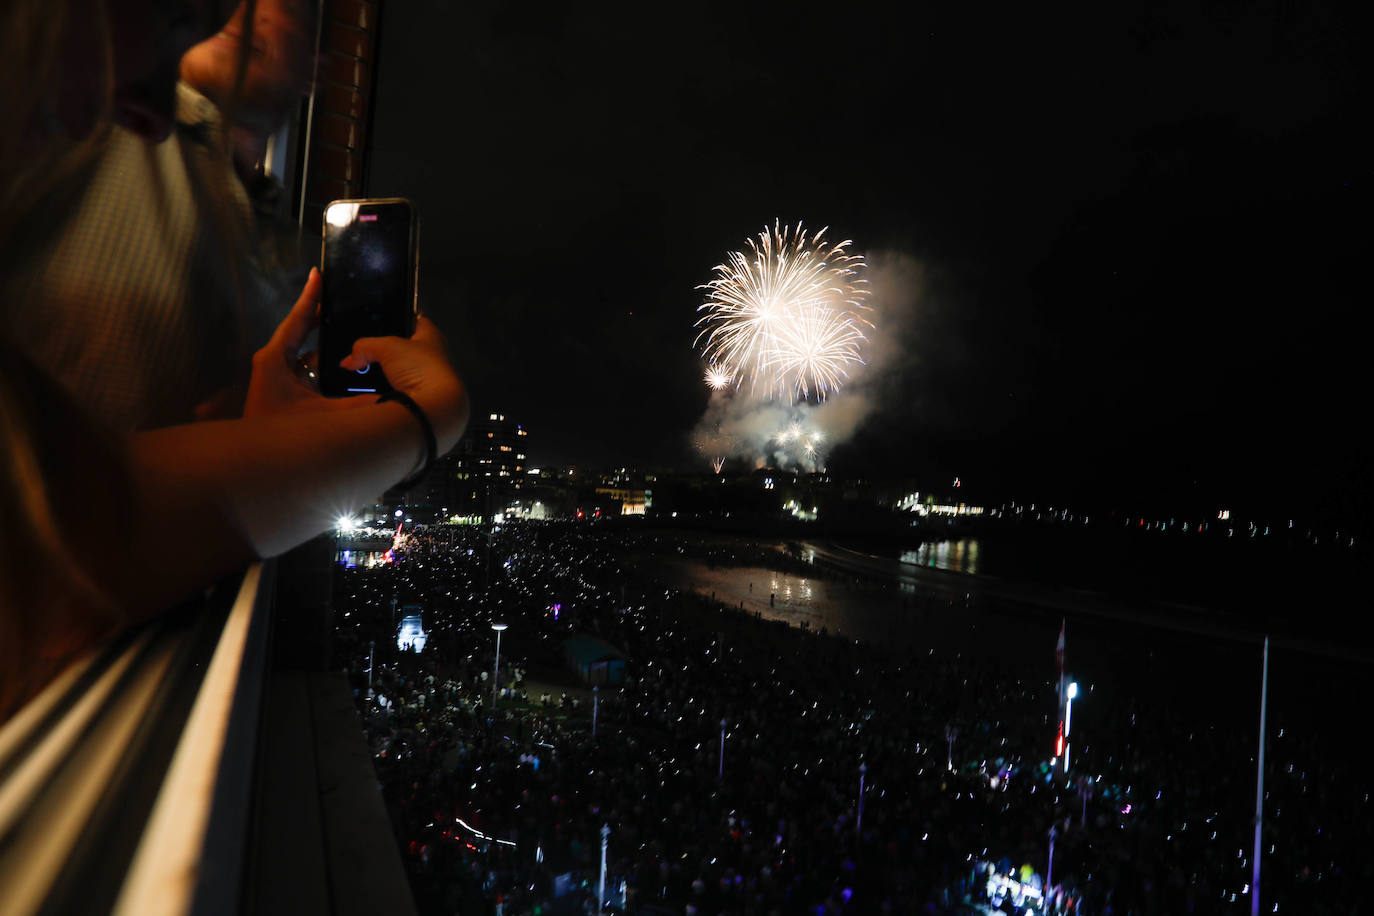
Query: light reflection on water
953,556
843,604
892,605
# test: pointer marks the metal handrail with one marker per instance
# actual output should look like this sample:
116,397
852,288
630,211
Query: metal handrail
125,785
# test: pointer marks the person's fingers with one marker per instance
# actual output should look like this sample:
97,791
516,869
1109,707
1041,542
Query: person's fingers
297,325
368,350
427,331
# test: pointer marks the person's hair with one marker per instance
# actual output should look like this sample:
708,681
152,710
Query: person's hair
227,223
50,607
36,156
58,467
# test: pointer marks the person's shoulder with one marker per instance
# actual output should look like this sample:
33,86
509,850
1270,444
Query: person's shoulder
195,112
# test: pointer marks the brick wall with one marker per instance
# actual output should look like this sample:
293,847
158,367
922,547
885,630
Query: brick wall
343,105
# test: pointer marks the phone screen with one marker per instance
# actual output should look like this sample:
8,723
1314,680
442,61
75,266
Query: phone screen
369,275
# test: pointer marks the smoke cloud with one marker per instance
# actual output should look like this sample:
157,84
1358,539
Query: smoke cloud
744,427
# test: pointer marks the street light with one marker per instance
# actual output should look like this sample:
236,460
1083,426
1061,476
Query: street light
496,669
1070,693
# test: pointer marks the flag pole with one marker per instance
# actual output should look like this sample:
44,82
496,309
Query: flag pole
1259,785
1059,690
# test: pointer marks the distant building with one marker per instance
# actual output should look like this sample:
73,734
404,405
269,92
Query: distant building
632,501
627,489
494,449
478,477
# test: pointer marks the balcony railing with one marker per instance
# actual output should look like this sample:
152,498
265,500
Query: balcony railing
167,772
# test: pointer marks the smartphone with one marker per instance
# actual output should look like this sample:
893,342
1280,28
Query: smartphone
369,266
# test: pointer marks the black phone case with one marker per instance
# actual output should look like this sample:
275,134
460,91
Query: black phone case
347,273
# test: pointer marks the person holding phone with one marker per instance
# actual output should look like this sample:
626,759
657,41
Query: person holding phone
105,526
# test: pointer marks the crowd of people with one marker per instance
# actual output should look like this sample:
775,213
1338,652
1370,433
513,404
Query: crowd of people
504,802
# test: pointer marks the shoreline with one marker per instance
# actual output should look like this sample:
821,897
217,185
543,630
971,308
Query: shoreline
1002,597
1082,602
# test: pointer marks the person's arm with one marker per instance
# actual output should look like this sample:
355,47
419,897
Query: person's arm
209,497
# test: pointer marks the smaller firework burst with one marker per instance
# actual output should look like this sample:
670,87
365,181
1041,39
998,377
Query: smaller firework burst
717,463
717,378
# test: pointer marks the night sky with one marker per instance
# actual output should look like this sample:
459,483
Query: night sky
1129,233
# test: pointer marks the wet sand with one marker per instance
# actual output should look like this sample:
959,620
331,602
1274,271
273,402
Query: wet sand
1116,648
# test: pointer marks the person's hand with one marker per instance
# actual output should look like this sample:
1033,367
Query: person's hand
419,366
276,385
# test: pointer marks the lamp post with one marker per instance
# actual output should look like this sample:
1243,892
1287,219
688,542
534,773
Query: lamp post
596,701
1068,719
720,774
601,881
1049,870
496,669
1259,784
371,649
859,821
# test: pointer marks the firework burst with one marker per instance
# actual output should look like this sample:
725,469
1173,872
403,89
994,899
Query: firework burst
787,314
717,378
798,443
